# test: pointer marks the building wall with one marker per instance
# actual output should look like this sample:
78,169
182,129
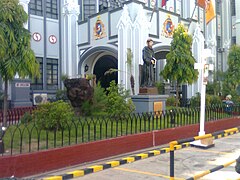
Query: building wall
237,22
45,27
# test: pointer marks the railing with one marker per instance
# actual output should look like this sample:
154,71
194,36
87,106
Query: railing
216,135
15,114
28,137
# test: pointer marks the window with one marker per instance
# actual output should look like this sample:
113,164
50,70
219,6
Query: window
52,73
234,40
218,7
52,9
233,8
37,83
36,7
219,41
89,8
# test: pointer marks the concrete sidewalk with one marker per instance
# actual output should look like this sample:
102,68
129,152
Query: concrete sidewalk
188,162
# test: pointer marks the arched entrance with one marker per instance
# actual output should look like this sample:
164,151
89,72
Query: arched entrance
102,65
160,54
100,59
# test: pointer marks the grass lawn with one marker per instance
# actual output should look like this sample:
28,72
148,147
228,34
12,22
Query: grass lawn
23,138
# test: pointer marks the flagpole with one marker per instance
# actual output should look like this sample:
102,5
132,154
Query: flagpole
153,11
194,9
193,13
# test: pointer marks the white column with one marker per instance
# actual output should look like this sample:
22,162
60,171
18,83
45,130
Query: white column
227,18
70,37
124,24
141,29
25,3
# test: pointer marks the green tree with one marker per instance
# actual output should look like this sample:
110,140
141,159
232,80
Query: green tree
231,79
215,87
180,62
129,63
118,101
16,56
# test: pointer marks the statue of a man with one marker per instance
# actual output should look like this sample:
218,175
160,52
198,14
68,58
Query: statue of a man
149,60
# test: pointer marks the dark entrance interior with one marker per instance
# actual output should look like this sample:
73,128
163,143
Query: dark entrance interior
104,64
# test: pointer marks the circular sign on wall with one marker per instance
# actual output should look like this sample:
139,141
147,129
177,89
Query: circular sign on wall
36,36
52,39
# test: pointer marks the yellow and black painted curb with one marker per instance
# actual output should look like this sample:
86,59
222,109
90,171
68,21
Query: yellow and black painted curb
211,170
111,164
215,135
178,145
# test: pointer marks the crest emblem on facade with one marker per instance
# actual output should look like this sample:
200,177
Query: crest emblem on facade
99,29
168,27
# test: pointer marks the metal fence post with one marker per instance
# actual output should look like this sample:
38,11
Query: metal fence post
172,144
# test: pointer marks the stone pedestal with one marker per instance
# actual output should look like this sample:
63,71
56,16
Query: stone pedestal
20,91
148,91
145,103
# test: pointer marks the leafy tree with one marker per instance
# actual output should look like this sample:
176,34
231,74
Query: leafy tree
231,79
180,62
129,63
16,56
215,88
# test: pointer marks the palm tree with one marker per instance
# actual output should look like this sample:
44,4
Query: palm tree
16,55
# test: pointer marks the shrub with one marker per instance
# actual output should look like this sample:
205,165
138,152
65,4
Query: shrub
98,103
195,100
210,100
161,87
53,116
26,118
215,100
172,101
118,101
61,94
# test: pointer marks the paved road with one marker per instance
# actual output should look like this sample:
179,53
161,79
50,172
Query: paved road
188,162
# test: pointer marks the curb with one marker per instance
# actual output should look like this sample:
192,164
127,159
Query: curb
211,170
111,164
130,159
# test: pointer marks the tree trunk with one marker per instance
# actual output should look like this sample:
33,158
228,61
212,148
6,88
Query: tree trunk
5,103
177,94
132,84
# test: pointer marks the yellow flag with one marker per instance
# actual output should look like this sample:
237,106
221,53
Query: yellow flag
210,13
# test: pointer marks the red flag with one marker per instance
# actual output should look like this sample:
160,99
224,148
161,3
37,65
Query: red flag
164,2
201,3
209,9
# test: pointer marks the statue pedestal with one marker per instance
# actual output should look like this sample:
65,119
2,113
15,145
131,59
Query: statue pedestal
149,103
148,91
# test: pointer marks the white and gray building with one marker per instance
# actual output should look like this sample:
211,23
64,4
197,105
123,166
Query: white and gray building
77,37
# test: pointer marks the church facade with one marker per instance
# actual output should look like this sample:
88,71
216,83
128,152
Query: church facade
80,37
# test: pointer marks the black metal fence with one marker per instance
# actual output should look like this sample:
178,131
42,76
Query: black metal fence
28,137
